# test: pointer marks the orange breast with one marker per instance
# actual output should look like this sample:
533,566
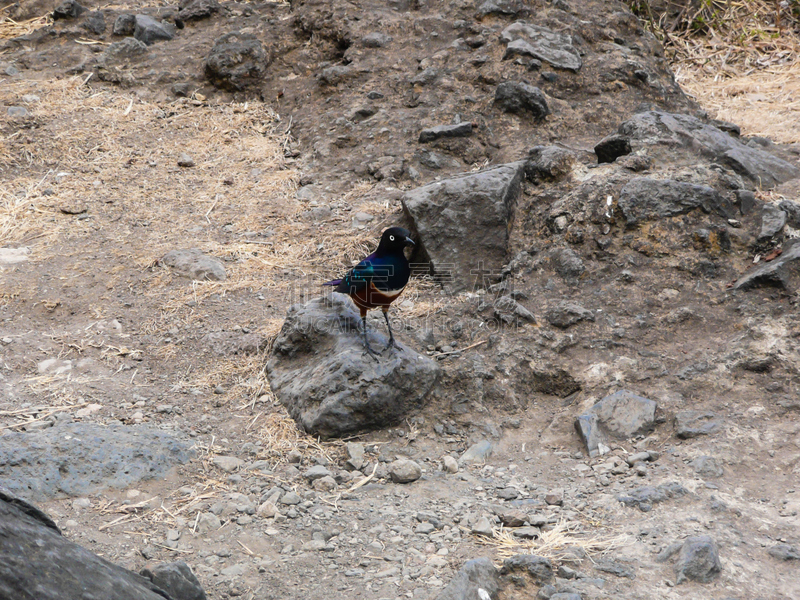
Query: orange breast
372,297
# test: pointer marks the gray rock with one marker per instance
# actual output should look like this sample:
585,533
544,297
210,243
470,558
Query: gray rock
477,453
511,312
198,9
150,31
527,533
548,163
124,49
707,466
482,527
290,499
544,44
336,74
508,8
319,372
565,314
644,199
694,423
445,131
426,77
17,111
69,9
537,567
192,263
77,459
615,568
520,98
36,562
376,39
620,415
784,552
792,210
783,272
611,147
124,24
509,516
665,130
462,224
567,264
236,62
316,472
450,464
698,560
208,522
185,160
234,343
177,580
95,23
325,484
645,497
509,493
773,220
228,464
355,455
476,576
404,471
566,596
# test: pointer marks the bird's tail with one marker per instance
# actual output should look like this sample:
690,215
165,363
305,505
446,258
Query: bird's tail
333,283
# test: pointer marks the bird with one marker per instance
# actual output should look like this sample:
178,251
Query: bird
379,279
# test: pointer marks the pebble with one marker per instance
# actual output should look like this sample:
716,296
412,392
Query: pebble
80,503
450,464
208,522
404,471
17,111
227,463
482,527
316,472
291,498
184,160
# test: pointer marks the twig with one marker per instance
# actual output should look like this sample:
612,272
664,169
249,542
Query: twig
122,519
250,552
459,349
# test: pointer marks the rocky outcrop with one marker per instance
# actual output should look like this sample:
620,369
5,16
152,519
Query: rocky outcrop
462,224
620,415
37,563
320,373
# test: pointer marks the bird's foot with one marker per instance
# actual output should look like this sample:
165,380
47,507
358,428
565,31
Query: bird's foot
370,352
392,344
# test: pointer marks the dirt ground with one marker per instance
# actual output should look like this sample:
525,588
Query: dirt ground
92,197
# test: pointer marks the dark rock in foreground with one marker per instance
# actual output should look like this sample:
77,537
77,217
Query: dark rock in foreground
521,98
461,224
320,373
76,459
37,563
69,9
476,576
150,31
698,560
620,415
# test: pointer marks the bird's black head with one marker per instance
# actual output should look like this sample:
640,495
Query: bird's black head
394,240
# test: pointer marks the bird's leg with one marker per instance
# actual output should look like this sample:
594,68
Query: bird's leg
391,335
367,348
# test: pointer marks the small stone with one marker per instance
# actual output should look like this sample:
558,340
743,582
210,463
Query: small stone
424,528
291,498
482,527
404,471
68,9
554,497
693,423
229,464
124,25
208,522
70,524
707,466
325,484
784,552
527,533
477,453
132,494
445,131
233,571
316,472
80,503
294,457
508,493
450,464
267,510
521,98
149,31
184,160
17,111
355,456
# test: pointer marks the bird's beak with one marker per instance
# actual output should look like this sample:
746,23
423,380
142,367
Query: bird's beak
410,242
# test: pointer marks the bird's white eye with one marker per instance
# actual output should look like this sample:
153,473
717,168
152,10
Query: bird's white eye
391,238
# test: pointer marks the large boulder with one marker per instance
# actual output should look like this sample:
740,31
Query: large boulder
37,563
645,199
76,459
656,129
621,416
476,580
320,373
236,62
543,44
462,224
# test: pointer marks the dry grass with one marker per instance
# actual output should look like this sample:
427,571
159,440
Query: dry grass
739,60
557,543
9,28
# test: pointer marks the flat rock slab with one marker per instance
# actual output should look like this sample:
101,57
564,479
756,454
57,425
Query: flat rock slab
37,562
783,272
657,128
462,224
644,199
193,263
694,423
645,497
476,580
620,415
78,459
320,373
542,43
445,131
